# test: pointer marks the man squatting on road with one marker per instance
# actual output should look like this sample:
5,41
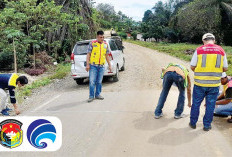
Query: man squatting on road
97,55
178,74
208,63
9,82
224,100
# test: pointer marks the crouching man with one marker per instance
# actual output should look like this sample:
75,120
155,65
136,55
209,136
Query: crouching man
224,100
9,82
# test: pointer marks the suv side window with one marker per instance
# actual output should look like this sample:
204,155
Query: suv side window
113,46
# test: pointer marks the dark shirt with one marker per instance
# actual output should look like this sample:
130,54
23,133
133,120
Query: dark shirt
8,82
228,94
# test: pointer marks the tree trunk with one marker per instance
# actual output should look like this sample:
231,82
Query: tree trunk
63,32
15,57
34,62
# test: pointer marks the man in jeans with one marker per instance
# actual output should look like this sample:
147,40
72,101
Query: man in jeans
224,100
208,63
98,54
178,74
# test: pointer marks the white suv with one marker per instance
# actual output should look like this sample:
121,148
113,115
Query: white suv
78,60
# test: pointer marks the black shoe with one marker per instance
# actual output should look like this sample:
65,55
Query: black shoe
219,115
229,120
192,126
207,129
99,97
90,100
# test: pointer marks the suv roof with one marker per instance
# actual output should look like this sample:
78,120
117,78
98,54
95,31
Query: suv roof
88,41
83,42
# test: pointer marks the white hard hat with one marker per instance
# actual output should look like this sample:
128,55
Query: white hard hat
224,75
208,35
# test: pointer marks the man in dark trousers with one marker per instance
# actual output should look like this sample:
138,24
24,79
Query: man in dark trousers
179,75
98,54
208,63
9,82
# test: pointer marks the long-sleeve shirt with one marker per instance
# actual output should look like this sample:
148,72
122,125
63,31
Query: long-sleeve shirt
8,81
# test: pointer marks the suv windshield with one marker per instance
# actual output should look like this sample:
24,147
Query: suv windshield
81,49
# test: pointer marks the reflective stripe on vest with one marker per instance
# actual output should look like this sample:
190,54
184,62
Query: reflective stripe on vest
98,53
210,66
208,74
207,81
218,63
203,64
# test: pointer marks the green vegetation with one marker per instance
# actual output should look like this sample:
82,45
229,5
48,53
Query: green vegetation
28,27
187,20
109,19
36,33
61,72
122,35
179,50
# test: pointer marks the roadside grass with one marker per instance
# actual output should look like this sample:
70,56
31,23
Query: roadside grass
61,71
179,50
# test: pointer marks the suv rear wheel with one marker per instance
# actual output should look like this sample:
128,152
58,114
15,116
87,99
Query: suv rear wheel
79,81
123,67
116,76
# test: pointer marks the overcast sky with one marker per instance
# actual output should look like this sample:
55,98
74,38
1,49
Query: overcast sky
132,8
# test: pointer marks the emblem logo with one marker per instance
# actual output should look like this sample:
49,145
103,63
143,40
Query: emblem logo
11,133
40,131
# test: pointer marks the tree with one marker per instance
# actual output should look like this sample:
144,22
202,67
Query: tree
28,27
155,24
147,16
107,10
201,16
13,41
15,35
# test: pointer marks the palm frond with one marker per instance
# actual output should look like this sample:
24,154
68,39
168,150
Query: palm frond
228,10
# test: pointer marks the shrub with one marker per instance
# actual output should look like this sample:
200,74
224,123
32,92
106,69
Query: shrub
122,35
61,71
34,72
6,61
40,66
42,60
44,57
134,35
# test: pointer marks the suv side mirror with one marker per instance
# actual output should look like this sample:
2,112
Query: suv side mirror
121,47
